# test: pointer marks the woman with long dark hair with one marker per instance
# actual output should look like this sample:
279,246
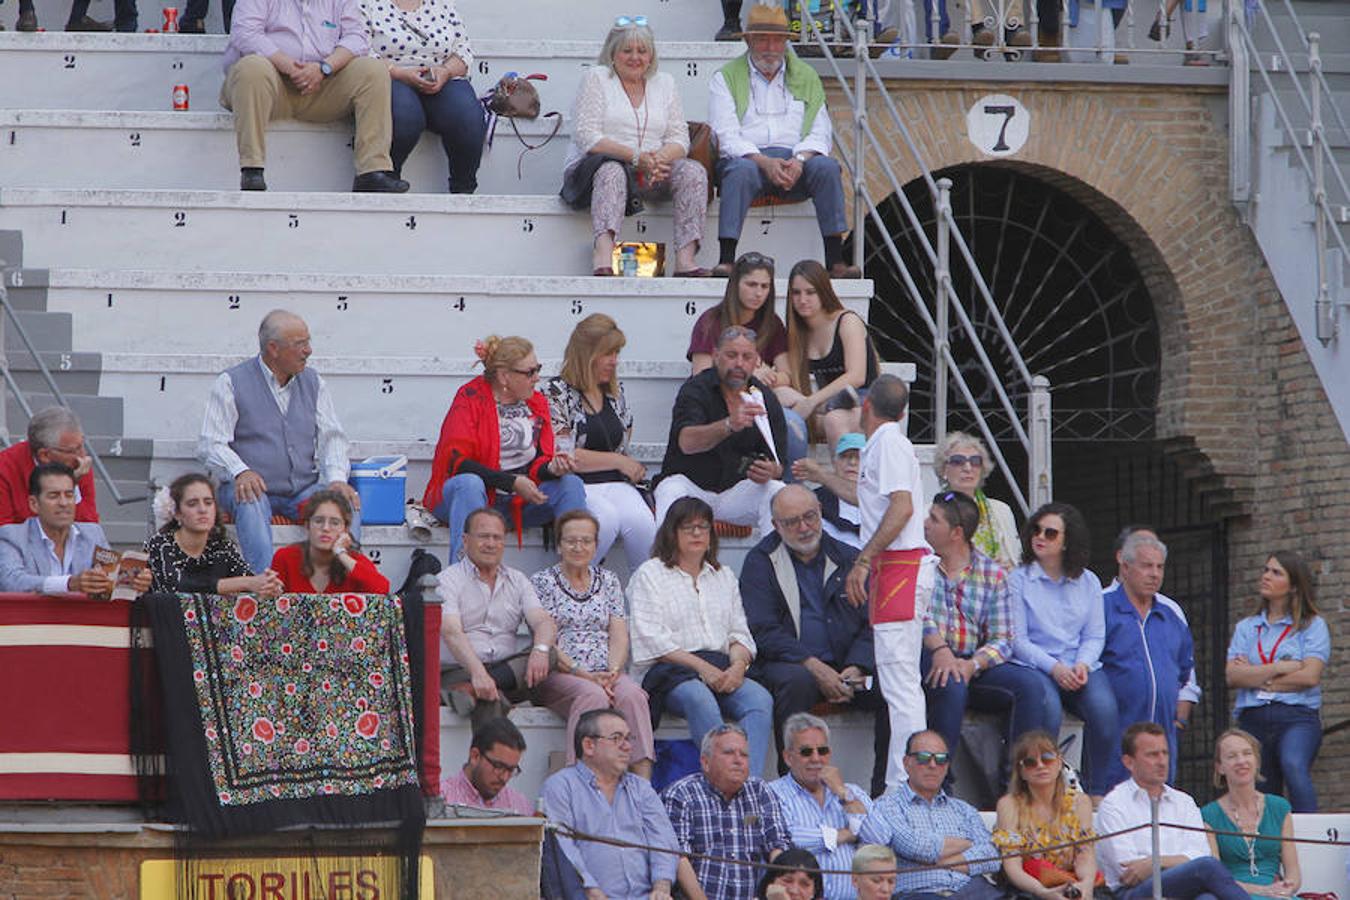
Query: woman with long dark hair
327,561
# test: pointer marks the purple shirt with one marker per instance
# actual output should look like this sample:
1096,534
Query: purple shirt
307,31
458,789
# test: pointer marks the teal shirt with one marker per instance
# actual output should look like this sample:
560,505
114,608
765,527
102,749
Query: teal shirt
1233,850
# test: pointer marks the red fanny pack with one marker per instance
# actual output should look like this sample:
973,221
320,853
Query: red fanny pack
894,579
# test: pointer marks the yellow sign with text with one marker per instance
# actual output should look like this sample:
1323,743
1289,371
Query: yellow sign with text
285,878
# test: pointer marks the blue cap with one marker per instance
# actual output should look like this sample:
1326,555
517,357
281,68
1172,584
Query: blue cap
851,441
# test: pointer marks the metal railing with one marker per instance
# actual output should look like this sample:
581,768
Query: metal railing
1314,162
12,319
1034,435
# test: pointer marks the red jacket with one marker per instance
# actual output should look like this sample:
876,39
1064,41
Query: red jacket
16,465
289,564
470,433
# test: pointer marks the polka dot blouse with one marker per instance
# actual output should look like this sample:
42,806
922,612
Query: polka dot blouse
427,36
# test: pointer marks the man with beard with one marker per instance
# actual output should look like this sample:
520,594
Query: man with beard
718,449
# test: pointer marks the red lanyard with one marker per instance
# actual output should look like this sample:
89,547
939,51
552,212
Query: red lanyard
1261,652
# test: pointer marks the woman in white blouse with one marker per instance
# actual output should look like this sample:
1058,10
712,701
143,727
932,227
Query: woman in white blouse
427,49
630,143
689,627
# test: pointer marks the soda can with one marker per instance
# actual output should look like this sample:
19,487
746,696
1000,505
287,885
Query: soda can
170,20
180,96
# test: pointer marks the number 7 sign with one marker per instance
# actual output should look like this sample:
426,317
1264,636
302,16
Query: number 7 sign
998,125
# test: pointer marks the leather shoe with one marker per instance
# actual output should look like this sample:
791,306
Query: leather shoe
697,272
379,183
27,21
723,270
845,270
251,179
730,31
86,23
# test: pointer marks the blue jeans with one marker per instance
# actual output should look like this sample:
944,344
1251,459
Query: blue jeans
750,706
454,114
253,520
741,182
1200,879
1015,689
1290,737
1095,704
465,493
944,22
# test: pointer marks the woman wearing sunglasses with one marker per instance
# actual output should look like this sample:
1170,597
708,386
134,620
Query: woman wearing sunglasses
1041,811
1059,629
963,465
630,142
496,447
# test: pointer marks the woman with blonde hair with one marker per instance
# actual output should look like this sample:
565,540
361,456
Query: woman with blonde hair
590,415
1041,810
828,347
963,463
1263,866
496,447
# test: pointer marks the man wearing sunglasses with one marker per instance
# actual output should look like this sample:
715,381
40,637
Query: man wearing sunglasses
926,827
494,759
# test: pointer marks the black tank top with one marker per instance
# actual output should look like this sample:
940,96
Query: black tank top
831,365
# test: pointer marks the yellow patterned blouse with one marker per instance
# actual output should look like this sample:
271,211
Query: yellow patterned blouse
1034,836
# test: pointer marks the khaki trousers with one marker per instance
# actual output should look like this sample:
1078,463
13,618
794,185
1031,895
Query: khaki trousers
257,93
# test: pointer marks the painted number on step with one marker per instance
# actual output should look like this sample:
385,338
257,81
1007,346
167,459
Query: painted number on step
373,554
292,221
691,69
386,385
690,308
576,307
411,224
459,305
16,278
641,226
13,136
64,218
527,225
764,225
116,448
68,61
163,379
176,65
342,303
482,67
110,301
233,301
180,220
1333,834
65,362
135,138
998,125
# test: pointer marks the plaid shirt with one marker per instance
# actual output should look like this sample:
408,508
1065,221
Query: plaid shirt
915,829
749,827
971,611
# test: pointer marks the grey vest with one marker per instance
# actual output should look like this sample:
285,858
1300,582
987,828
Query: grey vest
279,448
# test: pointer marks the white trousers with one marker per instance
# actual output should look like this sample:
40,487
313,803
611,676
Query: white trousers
744,503
623,514
897,646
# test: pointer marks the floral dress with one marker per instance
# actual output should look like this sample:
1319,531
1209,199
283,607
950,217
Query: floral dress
1033,836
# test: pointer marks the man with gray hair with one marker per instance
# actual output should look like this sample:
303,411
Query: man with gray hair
1148,656
724,811
272,436
823,812
728,439
54,436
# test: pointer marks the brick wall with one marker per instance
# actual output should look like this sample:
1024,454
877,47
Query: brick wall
1240,407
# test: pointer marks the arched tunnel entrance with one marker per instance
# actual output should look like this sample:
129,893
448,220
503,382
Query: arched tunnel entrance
1080,311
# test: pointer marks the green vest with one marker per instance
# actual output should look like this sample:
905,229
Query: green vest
802,83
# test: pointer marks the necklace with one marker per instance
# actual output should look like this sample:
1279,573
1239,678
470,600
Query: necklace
1248,825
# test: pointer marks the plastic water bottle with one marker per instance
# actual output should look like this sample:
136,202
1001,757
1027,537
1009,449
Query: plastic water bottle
628,261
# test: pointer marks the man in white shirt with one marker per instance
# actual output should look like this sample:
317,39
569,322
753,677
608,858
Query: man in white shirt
890,492
272,436
768,110
1189,871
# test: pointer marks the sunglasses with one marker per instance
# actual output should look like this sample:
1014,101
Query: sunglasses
1049,533
975,460
626,21
808,752
929,758
1047,757
755,260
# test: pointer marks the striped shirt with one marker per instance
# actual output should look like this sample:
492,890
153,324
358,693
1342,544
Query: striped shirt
915,829
458,790
971,611
750,826
813,827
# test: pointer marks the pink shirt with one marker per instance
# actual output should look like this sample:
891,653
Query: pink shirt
459,790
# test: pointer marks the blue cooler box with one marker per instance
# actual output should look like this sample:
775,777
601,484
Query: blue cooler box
381,482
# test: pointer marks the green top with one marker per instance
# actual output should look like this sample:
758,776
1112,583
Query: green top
1264,855
802,83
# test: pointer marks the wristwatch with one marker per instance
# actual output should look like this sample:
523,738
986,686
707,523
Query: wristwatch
325,68
541,648
799,157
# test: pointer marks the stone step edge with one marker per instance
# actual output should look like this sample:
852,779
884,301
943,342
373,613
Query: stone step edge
201,120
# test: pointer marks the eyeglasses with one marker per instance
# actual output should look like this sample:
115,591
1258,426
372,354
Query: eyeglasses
68,451
810,517
618,737
530,372
975,460
755,260
695,528
501,766
808,752
630,21
575,542
1049,533
929,758
1047,757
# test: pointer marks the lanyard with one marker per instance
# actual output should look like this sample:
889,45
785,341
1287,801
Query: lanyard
1260,652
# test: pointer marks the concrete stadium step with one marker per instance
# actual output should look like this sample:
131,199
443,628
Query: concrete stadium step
47,330
100,416
538,20
197,151
55,70
130,310
395,234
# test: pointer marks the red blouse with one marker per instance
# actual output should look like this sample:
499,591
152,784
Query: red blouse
364,579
